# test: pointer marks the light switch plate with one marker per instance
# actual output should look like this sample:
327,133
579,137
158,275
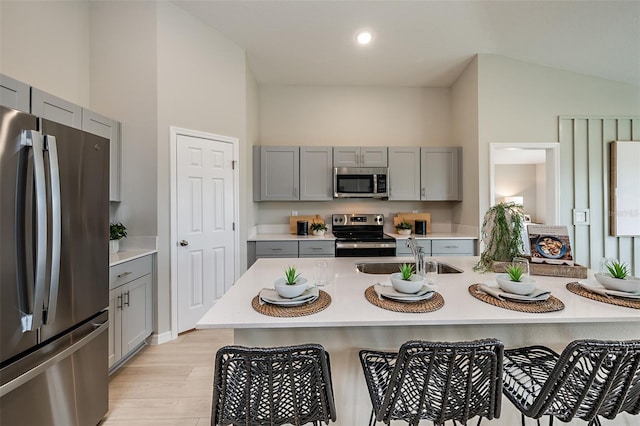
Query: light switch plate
581,217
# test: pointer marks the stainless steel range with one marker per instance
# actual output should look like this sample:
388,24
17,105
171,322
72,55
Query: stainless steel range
360,235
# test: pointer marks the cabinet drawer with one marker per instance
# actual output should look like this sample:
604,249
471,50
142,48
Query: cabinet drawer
452,247
128,271
316,248
402,249
276,249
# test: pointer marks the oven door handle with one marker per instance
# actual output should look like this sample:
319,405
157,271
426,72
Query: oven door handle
364,244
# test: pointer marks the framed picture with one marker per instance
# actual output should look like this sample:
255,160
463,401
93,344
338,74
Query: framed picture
527,218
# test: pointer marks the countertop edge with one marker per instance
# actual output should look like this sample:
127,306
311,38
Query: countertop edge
128,255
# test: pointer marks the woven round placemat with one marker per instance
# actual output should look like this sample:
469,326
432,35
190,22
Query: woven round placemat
552,304
318,305
576,288
429,305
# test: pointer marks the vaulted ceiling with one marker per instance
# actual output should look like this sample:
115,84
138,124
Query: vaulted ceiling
423,43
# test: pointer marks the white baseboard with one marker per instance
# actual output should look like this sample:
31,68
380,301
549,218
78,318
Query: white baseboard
158,339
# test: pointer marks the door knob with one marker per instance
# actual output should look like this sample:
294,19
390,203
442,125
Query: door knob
184,243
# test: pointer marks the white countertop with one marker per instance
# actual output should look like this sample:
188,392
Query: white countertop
349,308
129,254
437,236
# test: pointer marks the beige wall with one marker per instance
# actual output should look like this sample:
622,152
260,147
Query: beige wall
518,180
46,45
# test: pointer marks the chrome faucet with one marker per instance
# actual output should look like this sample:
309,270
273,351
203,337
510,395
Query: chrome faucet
418,255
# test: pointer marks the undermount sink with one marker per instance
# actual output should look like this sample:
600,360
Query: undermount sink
391,267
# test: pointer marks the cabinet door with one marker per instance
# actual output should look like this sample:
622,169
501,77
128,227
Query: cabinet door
346,156
404,173
374,156
55,109
440,174
109,129
14,94
316,177
276,249
115,326
279,173
453,247
136,312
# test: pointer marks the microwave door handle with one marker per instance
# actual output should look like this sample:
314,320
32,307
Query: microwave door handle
33,139
54,179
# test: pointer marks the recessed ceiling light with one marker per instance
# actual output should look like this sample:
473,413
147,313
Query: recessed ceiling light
364,37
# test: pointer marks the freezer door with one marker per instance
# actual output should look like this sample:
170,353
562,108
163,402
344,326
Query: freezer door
16,280
83,284
63,383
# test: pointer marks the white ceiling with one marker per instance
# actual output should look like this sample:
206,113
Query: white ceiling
423,43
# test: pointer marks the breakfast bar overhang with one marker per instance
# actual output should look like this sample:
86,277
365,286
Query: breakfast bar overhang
351,323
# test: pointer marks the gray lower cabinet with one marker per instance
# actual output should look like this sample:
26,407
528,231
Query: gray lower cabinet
452,247
440,174
316,248
402,249
15,94
306,248
130,308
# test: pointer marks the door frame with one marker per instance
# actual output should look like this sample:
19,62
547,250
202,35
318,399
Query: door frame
173,189
552,166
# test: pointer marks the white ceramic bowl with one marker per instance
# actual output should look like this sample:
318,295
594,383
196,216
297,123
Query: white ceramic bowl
629,284
290,290
404,231
403,286
524,287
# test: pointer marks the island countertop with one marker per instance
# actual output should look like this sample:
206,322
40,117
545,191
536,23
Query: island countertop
349,307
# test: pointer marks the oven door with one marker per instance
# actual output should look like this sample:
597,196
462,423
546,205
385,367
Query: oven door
365,248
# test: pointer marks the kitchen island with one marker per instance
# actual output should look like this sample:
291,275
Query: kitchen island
351,323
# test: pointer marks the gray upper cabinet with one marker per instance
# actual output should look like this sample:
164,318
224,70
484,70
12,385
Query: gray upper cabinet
356,156
404,173
440,174
276,174
55,109
110,129
15,94
316,179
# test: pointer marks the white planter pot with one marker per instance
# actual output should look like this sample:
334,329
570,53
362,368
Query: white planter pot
404,231
319,232
114,246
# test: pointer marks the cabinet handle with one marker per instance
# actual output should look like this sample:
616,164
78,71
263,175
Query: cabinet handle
124,274
422,192
126,300
276,249
119,304
315,248
450,247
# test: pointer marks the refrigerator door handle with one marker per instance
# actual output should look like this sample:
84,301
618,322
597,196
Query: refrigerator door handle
70,350
33,139
54,182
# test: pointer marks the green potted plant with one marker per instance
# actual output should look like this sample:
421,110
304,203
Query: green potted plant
501,235
514,281
618,277
117,231
318,228
404,228
406,281
292,284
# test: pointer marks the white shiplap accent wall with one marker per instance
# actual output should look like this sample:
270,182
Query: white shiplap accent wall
584,153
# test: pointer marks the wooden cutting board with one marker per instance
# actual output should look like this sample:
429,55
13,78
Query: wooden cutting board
411,218
293,222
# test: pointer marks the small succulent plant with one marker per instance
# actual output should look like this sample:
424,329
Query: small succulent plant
406,270
515,273
403,225
618,270
117,231
290,275
318,226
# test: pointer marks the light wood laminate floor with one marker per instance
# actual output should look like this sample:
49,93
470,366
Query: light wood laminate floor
168,384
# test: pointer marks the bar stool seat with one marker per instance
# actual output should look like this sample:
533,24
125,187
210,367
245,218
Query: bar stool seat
435,381
589,379
272,386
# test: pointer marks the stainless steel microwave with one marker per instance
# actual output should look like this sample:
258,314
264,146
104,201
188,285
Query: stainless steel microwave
360,182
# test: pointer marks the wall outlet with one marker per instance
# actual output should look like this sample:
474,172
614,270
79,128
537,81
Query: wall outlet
294,212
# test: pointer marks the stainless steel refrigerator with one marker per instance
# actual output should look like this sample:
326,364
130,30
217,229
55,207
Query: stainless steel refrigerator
54,273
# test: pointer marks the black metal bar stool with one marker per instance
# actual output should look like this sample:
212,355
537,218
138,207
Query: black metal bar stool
272,386
435,381
590,378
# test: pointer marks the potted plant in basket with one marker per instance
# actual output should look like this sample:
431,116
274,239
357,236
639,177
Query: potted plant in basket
404,228
406,281
318,228
117,231
501,235
292,284
618,278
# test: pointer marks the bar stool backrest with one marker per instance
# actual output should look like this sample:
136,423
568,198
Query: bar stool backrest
272,386
592,378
